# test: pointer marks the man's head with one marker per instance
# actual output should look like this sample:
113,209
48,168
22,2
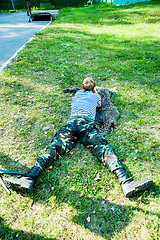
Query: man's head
88,84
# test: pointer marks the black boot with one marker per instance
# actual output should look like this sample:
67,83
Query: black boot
25,183
129,186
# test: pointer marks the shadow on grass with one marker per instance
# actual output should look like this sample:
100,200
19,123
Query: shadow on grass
99,215
131,57
9,164
8,233
95,214
115,15
120,56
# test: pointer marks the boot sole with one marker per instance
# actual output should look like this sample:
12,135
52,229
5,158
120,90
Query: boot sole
18,187
138,189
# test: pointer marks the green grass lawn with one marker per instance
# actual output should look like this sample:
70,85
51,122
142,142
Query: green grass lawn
122,43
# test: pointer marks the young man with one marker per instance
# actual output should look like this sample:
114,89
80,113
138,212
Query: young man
81,127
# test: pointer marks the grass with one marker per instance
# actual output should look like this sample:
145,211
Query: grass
122,43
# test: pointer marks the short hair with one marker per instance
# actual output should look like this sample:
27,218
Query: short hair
88,84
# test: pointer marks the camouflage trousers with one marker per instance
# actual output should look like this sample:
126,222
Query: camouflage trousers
80,128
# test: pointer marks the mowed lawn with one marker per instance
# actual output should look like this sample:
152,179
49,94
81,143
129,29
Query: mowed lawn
78,198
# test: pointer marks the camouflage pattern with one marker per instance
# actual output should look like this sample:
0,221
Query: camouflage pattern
83,129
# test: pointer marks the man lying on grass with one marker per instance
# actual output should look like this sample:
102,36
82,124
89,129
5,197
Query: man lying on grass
81,127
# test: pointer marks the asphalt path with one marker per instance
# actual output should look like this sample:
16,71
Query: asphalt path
15,32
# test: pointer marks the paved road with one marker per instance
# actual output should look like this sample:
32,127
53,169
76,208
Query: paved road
15,31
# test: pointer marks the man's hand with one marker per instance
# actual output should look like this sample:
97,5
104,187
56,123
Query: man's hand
94,90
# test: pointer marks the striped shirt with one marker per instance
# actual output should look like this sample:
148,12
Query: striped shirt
85,103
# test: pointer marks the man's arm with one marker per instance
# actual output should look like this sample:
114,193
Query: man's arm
95,91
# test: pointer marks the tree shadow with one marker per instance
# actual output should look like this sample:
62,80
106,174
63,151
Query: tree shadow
9,164
116,15
99,215
104,218
93,213
8,233
96,214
